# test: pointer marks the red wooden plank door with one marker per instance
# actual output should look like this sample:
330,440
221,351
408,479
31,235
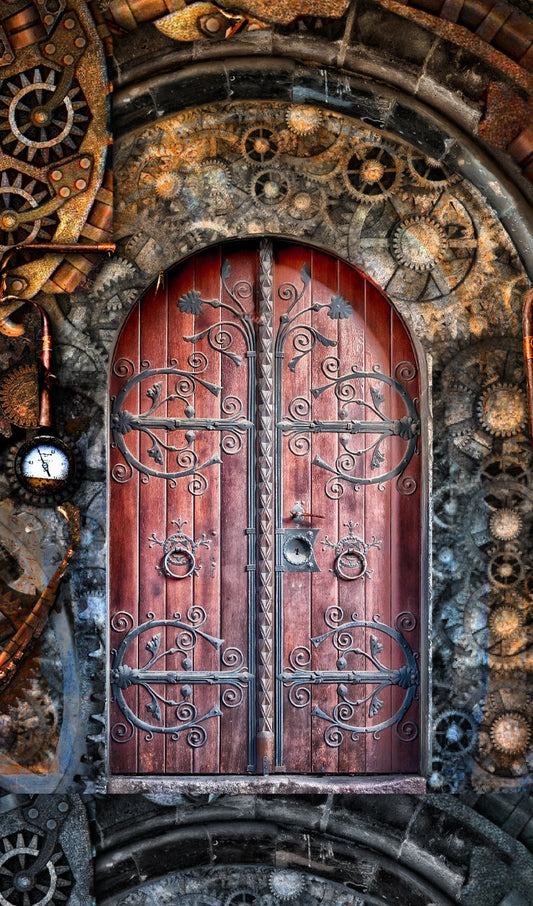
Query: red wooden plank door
265,507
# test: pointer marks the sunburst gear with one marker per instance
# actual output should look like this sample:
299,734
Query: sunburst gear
19,396
21,885
510,733
19,195
42,121
502,409
286,885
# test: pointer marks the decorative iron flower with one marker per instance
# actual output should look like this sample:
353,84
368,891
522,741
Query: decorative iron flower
190,302
339,308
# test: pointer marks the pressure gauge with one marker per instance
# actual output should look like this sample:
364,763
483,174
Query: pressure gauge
45,466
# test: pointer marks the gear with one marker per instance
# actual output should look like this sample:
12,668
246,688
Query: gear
215,179
510,733
19,396
286,885
260,144
506,622
505,524
505,568
18,195
502,409
372,173
419,243
428,173
51,884
36,128
455,732
303,119
270,187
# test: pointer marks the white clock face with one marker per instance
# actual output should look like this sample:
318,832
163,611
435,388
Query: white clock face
45,461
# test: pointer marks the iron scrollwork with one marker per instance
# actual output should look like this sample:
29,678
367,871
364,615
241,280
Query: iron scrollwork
232,424
179,552
300,676
298,426
233,677
350,554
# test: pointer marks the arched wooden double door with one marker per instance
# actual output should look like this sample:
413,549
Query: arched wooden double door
265,522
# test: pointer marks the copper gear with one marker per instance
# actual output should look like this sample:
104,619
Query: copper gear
510,733
19,396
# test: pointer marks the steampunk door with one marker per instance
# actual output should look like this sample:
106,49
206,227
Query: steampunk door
265,516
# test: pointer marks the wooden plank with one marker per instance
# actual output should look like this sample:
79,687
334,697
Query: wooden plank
351,507
234,576
124,550
152,519
206,506
378,523
324,285
406,558
179,754
289,261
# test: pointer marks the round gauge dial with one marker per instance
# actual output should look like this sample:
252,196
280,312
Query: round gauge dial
44,465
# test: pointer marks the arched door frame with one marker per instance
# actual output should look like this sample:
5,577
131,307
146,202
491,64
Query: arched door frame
310,783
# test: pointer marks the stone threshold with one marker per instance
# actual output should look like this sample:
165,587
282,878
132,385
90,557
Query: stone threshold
270,783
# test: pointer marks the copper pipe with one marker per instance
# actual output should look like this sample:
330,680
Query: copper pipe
67,247
33,625
527,324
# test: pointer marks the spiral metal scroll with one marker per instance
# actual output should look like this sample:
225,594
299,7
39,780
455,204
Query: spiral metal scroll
232,678
299,425
299,676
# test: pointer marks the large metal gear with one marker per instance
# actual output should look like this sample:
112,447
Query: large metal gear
41,119
502,409
372,173
260,144
26,882
19,194
455,732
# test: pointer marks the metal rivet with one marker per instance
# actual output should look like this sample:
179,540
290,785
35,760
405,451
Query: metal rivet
56,175
64,191
63,807
68,59
33,813
17,285
80,184
80,41
51,824
69,23
49,49
85,163
48,20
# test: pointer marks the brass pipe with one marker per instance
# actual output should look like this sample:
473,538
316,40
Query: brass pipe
527,324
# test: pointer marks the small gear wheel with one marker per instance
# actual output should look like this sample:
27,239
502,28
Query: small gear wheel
286,885
455,732
18,195
419,243
429,173
241,898
270,187
303,119
505,524
505,568
510,733
37,129
216,181
50,886
506,622
502,409
372,173
19,396
260,144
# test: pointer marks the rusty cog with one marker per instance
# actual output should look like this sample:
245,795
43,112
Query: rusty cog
510,733
19,396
